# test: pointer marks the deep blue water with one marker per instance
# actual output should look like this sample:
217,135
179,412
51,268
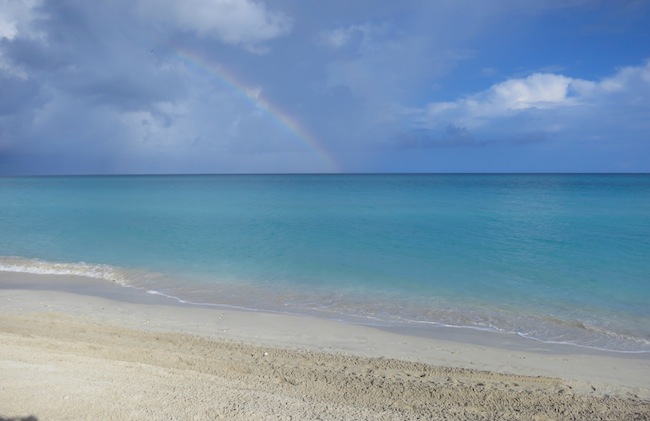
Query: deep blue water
562,258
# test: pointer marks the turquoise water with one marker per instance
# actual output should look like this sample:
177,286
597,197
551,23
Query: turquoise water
557,258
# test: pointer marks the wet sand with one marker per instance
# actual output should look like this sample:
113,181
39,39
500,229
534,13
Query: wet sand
75,348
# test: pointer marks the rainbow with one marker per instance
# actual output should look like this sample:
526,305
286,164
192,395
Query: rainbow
253,96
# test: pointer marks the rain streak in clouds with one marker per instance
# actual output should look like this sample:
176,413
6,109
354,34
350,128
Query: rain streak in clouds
381,86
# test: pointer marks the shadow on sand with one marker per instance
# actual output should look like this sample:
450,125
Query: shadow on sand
29,418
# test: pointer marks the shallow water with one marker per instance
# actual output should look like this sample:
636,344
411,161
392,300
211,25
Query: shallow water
559,258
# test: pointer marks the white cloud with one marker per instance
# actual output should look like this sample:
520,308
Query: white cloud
16,16
236,22
543,104
537,91
627,78
336,38
341,37
7,28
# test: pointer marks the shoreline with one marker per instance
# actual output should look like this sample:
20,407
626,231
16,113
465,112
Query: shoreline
116,290
402,314
102,289
113,282
49,333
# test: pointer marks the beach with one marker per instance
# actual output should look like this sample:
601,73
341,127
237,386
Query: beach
75,348
257,210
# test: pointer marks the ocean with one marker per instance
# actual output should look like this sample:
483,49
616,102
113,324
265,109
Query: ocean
552,258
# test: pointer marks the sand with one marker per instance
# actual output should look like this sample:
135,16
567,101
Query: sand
72,352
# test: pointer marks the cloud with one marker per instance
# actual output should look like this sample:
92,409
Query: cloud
383,63
70,50
81,93
537,91
539,94
538,107
235,22
350,38
16,17
110,86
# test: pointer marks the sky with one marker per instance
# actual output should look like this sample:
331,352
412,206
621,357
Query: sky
295,86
